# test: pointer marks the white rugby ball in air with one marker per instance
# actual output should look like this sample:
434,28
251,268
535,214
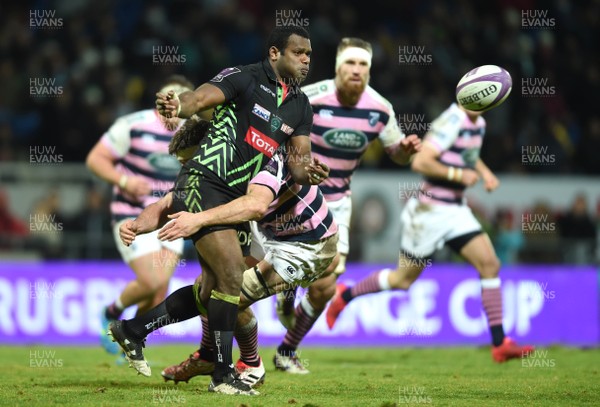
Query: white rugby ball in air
483,88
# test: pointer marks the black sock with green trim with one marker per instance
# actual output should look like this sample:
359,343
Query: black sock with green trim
222,316
177,307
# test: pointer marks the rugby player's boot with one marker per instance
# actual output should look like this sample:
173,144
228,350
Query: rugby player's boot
253,376
133,348
510,350
336,306
232,384
191,367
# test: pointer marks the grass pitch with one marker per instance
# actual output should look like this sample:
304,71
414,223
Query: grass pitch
554,376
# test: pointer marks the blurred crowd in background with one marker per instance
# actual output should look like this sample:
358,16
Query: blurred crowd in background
99,59
102,58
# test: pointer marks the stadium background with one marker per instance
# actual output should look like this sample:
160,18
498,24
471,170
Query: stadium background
69,68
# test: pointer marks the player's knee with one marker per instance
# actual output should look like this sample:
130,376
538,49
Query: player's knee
489,267
320,294
229,279
150,283
399,281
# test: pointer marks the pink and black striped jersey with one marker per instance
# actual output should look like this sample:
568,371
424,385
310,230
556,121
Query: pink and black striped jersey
458,140
340,135
299,212
140,141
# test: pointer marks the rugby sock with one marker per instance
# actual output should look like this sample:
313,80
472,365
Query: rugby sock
222,316
247,339
306,316
491,297
114,310
375,282
177,307
206,346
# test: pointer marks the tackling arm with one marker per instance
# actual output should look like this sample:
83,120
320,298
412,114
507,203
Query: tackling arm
251,206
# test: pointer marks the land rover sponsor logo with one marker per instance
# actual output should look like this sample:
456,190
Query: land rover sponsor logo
164,163
345,139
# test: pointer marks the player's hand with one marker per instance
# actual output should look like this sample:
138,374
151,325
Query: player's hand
137,187
167,104
411,144
127,232
317,171
469,177
490,181
184,224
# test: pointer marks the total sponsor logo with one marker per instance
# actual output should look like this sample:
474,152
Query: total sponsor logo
261,142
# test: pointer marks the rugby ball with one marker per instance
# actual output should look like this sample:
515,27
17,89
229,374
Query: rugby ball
483,88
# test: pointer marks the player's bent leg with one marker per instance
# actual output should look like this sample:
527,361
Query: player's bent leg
307,312
477,249
164,267
131,334
147,281
408,270
221,251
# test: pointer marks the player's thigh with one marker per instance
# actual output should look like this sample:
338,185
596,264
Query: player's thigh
170,254
221,251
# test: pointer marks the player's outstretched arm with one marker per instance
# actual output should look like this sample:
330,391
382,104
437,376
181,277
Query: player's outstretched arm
405,150
251,206
205,97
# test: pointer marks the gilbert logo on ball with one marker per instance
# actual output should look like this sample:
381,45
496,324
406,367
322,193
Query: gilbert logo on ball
483,88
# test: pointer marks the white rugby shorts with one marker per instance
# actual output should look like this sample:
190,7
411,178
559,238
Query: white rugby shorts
295,262
342,213
144,244
426,228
